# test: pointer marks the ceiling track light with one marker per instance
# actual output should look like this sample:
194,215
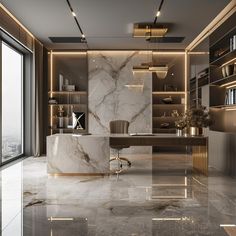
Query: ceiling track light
158,11
76,21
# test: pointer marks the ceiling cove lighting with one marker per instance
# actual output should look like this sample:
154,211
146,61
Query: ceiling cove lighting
16,20
76,20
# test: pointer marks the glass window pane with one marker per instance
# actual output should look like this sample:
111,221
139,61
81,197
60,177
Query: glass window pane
12,142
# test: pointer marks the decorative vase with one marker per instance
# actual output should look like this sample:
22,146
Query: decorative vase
179,132
195,131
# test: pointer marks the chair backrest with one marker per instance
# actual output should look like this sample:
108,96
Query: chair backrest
119,126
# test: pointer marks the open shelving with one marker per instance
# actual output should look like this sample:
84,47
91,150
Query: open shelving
222,83
173,86
73,68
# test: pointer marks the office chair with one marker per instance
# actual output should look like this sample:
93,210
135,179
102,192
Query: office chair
119,127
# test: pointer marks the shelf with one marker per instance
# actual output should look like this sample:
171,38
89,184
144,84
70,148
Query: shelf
225,80
68,92
225,59
168,92
222,37
167,105
233,106
60,104
202,81
164,117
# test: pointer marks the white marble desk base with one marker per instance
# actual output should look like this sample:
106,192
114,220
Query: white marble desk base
77,155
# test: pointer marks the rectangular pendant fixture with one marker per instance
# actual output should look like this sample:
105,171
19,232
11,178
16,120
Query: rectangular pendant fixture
149,30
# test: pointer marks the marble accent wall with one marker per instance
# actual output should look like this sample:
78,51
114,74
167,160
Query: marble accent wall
109,99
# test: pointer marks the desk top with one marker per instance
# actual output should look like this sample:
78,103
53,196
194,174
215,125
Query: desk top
157,140
146,140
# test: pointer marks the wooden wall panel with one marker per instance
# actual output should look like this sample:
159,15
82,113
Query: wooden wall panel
15,30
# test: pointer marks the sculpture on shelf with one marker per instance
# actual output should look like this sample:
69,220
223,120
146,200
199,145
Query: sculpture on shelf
79,120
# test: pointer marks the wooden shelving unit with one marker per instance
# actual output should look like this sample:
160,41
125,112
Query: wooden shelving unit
172,86
223,54
73,67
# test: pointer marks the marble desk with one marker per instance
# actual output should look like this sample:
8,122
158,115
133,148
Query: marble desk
90,154
69,154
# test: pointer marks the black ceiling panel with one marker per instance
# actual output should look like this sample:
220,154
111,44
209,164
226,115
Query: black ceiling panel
67,39
166,40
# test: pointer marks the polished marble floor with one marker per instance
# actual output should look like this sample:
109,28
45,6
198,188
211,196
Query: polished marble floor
159,195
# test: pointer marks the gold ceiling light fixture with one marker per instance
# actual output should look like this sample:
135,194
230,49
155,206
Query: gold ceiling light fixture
149,30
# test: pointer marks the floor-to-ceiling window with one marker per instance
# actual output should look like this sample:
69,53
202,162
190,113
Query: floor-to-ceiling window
12,103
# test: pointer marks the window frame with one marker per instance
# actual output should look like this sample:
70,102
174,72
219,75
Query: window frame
2,41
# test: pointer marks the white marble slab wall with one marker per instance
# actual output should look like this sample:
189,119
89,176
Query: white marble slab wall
109,99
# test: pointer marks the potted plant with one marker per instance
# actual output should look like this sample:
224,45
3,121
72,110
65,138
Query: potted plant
196,119
180,122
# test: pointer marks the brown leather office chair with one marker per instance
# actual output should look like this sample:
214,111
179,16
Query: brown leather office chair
119,127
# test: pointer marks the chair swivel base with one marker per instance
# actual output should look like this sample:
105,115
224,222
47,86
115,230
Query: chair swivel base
120,164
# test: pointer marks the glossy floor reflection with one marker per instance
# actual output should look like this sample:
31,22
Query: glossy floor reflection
159,195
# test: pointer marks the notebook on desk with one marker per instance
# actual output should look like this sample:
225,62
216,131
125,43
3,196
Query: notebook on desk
141,134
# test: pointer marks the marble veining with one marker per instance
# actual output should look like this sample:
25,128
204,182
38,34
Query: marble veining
77,154
109,99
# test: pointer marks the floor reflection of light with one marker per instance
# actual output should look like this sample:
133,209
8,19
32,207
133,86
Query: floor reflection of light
227,225
172,219
60,219
11,200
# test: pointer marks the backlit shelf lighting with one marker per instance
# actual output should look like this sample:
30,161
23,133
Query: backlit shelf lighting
232,86
167,53
228,62
51,88
16,20
230,109
185,78
227,84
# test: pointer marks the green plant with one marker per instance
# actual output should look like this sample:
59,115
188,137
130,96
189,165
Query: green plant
196,117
